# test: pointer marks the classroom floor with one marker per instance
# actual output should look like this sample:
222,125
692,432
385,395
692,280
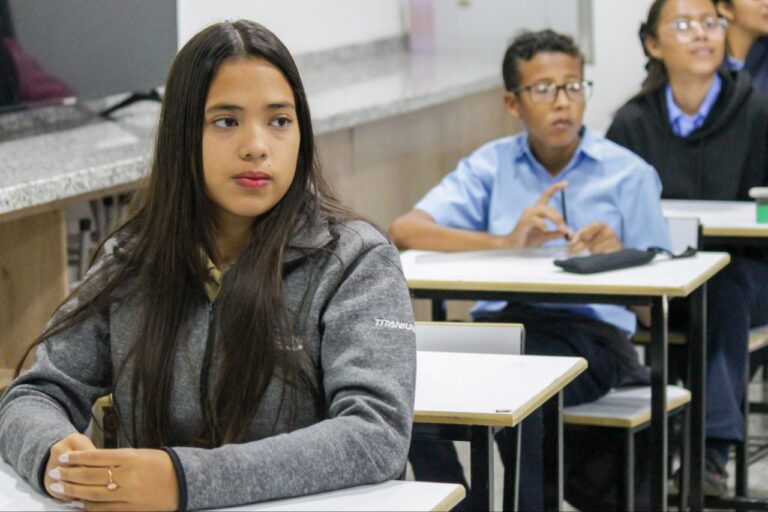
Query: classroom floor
758,472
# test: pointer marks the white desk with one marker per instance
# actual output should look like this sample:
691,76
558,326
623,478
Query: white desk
488,391
531,277
725,224
719,218
16,494
533,271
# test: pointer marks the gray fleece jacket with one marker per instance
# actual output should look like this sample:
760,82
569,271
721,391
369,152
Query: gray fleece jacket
360,338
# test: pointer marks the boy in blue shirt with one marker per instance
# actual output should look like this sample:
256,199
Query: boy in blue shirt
507,194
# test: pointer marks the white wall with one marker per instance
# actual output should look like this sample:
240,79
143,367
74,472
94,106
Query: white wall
303,25
313,25
619,66
493,23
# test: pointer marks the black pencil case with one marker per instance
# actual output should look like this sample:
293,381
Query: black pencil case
609,261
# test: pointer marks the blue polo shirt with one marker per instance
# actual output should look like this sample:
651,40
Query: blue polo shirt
682,123
490,189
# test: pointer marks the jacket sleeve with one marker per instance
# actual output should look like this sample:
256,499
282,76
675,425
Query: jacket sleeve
54,398
368,360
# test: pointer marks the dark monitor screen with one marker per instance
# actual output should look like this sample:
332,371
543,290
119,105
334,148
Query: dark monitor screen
55,49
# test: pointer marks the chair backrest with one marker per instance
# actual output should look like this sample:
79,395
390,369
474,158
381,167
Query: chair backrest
683,233
470,337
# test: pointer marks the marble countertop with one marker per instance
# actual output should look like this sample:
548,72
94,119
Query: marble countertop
94,154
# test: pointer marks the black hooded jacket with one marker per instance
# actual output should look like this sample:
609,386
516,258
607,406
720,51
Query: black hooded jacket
721,160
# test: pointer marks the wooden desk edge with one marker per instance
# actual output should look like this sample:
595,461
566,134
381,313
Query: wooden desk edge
453,499
551,390
719,265
504,419
596,421
742,232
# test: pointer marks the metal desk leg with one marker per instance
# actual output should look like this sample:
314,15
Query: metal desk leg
438,310
685,463
512,474
658,352
626,499
553,453
481,463
697,379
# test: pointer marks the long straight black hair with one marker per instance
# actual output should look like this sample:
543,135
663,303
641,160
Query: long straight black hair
657,75
167,237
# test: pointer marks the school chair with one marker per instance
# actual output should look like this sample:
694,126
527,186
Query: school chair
685,232
625,411
757,446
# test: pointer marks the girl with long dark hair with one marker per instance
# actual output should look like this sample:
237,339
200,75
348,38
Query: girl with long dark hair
705,130
747,38
234,317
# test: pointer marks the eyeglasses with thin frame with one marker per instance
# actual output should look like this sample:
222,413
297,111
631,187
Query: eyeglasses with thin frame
685,30
546,92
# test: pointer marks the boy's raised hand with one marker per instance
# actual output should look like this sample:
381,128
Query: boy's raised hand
595,238
532,229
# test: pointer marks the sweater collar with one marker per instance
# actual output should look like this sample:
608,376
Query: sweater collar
306,236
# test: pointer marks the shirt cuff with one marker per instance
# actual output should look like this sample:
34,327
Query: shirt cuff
41,471
180,477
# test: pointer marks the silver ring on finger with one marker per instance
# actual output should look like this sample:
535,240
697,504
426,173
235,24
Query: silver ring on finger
111,485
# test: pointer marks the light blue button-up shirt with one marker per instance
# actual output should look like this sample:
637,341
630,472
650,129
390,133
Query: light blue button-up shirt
490,189
682,123
734,63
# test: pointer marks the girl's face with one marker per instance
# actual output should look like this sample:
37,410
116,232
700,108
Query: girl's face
250,139
690,38
748,15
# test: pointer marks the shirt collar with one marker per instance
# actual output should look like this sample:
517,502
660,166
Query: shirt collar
735,64
588,147
306,236
676,114
213,284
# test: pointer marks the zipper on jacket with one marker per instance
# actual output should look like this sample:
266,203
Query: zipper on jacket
205,368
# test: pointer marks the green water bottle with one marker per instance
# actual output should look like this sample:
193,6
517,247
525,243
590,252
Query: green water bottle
760,195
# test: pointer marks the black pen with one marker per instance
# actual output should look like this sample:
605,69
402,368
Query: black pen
565,213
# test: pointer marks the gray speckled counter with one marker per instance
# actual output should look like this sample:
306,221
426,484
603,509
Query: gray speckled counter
63,165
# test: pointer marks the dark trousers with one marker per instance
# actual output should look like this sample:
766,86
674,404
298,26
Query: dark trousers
737,299
546,333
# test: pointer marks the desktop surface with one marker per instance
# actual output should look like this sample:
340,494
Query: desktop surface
16,494
719,218
534,271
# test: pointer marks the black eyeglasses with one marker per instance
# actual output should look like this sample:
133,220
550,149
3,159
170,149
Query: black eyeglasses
546,92
686,30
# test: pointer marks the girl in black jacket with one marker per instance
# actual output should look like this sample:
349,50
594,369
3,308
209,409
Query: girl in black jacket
705,130
747,38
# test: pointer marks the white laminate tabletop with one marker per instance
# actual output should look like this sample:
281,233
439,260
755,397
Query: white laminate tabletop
487,389
533,271
16,494
719,218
